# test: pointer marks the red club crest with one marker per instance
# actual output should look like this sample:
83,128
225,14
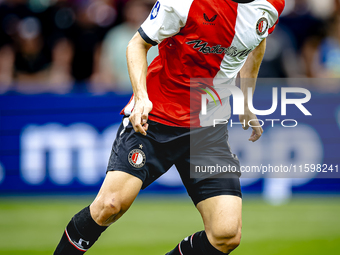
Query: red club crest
262,26
137,158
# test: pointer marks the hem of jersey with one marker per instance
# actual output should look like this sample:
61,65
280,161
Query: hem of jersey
146,37
167,123
159,120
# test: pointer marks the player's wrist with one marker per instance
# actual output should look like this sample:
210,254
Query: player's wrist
142,96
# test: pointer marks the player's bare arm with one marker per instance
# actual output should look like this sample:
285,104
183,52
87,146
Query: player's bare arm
137,66
249,73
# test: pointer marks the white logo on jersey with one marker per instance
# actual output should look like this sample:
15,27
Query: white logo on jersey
155,10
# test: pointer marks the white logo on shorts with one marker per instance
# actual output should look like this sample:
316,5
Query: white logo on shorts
137,158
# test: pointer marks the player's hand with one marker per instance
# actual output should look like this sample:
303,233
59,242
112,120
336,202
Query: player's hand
139,115
257,129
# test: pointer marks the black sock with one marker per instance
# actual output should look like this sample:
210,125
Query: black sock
80,234
196,244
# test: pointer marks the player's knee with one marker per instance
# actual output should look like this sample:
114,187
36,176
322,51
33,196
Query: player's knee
224,232
234,242
228,238
108,210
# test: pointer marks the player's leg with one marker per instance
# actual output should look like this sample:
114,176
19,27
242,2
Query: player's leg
217,196
116,195
140,160
218,199
220,204
222,218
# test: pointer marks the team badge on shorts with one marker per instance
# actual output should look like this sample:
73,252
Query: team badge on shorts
262,26
137,158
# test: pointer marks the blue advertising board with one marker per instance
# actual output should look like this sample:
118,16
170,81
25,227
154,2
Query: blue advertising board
55,144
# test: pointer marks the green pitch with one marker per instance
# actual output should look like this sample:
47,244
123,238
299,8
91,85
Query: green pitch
154,226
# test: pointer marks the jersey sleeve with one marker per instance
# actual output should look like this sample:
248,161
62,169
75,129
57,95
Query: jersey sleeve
166,19
278,5
271,30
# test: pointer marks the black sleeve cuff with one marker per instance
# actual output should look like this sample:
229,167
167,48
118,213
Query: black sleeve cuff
145,37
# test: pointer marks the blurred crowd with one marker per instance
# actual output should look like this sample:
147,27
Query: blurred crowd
60,46
63,45
306,42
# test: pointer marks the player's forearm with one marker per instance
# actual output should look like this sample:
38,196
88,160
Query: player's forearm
250,70
137,65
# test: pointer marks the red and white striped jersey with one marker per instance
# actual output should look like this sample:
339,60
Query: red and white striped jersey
200,39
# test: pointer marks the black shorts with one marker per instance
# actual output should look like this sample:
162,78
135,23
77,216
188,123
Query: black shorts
148,157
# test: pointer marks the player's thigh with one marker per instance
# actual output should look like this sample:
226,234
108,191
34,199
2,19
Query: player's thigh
222,216
116,195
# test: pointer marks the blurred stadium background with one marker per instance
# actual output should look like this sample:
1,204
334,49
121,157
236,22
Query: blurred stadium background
63,82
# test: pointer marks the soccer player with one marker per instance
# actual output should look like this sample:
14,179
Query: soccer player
197,39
